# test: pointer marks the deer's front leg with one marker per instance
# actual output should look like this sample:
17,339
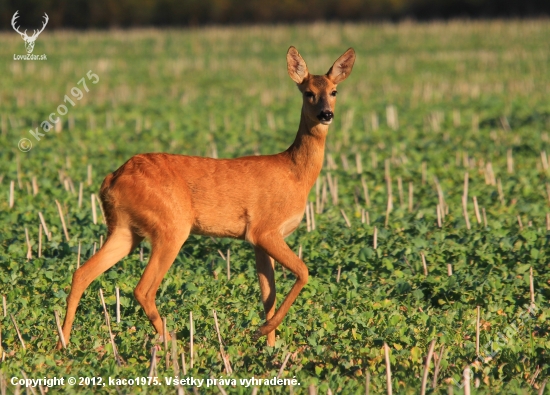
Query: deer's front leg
265,266
274,245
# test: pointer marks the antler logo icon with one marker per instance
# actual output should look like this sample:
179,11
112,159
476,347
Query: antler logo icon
29,41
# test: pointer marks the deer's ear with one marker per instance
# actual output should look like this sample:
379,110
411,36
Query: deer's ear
341,69
297,68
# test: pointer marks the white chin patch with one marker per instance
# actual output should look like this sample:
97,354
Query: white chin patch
326,122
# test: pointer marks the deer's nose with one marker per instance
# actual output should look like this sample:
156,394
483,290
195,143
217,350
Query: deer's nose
325,116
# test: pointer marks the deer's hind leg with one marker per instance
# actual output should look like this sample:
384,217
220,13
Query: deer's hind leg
265,266
164,250
120,243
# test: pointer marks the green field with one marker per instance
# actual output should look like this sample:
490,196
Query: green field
425,104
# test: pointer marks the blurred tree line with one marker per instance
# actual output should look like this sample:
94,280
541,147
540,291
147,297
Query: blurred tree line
81,14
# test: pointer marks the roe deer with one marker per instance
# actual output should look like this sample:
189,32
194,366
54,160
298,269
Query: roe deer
260,199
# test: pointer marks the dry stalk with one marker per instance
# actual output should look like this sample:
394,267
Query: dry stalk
43,221
94,209
437,365
282,369
427,367
60,330
18,331
345,218
411,197
225,358
388,368
191,341
60,211
477,329
108,322
424,265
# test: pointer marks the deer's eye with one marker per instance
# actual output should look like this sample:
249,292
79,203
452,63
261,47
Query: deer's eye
334,93
309,94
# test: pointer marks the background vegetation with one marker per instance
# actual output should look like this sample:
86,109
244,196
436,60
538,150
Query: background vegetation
82,14
427,102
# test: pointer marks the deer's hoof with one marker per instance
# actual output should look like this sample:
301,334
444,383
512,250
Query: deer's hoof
257,334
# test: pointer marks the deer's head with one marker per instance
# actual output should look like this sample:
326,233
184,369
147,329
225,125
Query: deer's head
29,41
319,91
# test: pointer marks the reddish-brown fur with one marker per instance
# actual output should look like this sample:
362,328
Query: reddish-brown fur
260,199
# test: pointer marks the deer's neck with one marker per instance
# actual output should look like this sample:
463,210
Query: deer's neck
308,151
